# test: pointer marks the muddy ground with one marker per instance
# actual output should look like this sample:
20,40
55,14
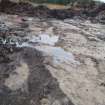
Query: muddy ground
26,80
46,61
51,62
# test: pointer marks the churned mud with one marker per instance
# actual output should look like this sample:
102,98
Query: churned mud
26,80
51,62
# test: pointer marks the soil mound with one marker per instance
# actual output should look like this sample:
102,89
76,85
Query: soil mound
44,12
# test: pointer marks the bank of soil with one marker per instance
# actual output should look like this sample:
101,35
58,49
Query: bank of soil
95,13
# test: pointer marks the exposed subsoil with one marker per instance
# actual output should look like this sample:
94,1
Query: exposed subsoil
96,13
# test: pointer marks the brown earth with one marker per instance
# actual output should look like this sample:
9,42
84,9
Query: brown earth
69,71
44,12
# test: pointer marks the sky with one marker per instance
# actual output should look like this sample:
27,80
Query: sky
101,0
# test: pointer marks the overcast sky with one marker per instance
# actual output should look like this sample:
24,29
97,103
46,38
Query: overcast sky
101,0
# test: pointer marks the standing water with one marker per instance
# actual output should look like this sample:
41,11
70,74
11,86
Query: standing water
46,44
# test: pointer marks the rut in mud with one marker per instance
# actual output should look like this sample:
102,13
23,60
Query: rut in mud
27,81
24,79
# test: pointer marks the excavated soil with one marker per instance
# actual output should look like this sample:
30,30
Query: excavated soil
49,61
95,13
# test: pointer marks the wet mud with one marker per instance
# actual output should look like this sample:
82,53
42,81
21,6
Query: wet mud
49,61
39,88
24,78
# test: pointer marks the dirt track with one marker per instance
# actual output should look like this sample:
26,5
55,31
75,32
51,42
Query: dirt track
29,81
46,61
56,62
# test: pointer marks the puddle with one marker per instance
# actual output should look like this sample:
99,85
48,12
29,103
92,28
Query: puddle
45,44
25,44
59,54
40,39
44,39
